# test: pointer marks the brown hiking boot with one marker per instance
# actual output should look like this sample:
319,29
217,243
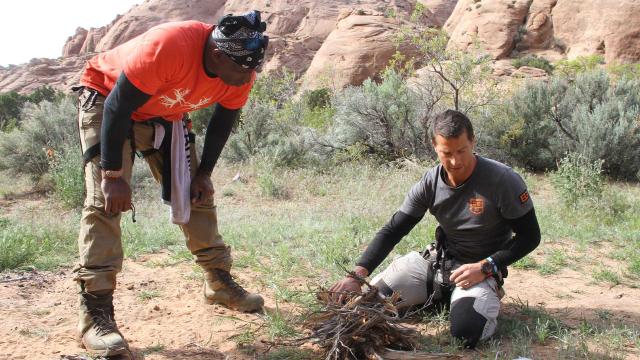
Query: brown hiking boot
97,329
220,288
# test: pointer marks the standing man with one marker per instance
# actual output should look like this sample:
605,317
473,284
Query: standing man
134,98
486,222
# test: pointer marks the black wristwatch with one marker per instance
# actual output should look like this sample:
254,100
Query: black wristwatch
487,267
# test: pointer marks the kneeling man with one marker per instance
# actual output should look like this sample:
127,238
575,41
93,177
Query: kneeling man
486,222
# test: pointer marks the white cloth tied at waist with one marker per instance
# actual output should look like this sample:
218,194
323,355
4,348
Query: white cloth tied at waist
180,170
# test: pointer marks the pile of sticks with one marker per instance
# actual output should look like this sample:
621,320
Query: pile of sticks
360,329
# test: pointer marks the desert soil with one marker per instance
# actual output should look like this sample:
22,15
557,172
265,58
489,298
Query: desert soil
38,310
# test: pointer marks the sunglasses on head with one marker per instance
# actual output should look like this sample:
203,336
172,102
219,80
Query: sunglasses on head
251,44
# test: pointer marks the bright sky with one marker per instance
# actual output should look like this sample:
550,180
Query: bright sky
39,28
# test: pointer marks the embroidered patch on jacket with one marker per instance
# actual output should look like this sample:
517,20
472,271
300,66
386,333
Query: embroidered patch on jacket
476,205
524,197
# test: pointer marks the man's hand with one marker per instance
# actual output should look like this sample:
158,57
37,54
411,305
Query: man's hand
348,286
201,189
117,195
468,275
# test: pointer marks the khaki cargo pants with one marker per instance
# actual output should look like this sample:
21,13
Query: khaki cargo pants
99,241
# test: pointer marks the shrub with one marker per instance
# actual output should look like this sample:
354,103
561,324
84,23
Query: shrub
522,129
45,93
45,128
200,119
254,132
67,176
624,70
318,98
571,68
270,124
578,180
313,110
533,61
11,104
591,115
384,117
17,247
271,185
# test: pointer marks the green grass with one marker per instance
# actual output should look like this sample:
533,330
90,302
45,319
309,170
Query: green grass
146,295
606,275
272,185
245,338
17,248
291,354
45,245
554,261
526,263
279,324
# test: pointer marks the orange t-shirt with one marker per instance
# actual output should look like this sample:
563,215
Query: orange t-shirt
166,62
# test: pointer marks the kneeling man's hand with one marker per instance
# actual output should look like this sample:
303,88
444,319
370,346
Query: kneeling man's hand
468,275
348,287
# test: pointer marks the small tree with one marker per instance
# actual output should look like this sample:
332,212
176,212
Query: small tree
10,106
465,76
45,93
571,68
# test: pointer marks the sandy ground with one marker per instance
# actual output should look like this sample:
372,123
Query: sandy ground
38,311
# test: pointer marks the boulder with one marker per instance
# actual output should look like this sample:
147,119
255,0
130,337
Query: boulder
529,72
493,24
607,27
439,10
359,47
537,32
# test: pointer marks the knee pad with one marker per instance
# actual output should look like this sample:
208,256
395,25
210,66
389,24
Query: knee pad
466,323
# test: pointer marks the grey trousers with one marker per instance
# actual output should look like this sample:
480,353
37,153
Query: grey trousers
476,307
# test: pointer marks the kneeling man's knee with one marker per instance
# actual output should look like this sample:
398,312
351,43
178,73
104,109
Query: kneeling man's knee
406,275
466,323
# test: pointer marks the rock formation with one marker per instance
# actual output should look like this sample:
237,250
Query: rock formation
438,11
570,28
341,42
490,24
607,27
358,47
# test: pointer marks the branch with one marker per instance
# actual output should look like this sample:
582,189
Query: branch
558,121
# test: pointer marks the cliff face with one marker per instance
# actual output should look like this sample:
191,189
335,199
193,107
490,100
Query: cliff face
339,42
570,28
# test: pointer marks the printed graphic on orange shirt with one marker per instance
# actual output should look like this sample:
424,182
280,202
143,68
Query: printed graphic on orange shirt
476,205
180,100
524,197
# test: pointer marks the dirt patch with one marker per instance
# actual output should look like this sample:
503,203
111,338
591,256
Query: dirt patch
160,312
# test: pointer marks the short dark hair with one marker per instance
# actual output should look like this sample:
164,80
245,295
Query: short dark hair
451,123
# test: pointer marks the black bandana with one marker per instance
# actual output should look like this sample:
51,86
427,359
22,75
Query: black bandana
241,38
